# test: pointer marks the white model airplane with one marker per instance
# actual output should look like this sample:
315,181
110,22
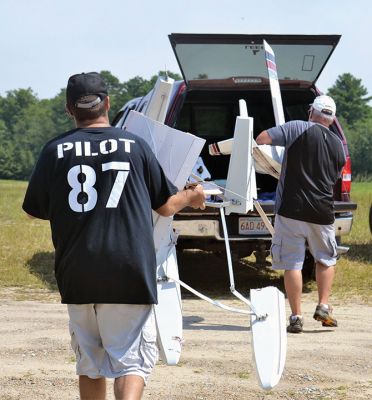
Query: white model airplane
178,152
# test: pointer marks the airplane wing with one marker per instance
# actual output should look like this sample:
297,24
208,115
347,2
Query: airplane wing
274,84
177,153
264,163
276,97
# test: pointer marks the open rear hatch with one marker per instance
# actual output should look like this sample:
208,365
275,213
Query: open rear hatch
219,61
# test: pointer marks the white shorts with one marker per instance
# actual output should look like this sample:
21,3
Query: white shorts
113,340
291,239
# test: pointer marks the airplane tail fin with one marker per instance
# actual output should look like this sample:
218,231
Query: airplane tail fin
241,178
159,101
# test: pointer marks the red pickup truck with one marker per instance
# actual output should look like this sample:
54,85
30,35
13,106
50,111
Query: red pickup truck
218,70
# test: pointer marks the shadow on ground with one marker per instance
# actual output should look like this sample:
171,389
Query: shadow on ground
360,252
208,273
42,266
203,271
197,323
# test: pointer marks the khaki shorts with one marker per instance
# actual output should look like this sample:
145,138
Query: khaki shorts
113,340
291,239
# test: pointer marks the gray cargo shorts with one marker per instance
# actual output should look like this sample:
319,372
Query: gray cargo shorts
291,239
113,340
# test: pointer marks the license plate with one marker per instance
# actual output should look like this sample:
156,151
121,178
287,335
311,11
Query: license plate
252,225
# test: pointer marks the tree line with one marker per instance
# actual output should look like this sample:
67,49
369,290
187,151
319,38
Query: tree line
355,116
27,122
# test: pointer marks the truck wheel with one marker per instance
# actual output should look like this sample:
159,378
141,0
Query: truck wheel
261,257
308,268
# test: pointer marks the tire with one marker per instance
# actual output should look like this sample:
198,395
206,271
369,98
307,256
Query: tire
370,219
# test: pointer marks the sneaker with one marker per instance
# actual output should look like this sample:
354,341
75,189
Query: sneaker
324,315
295,324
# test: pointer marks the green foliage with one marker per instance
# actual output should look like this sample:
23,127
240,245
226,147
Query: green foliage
351,99
360,147
355,116
62,121
27,123
117,91
154,78
14,103
137,86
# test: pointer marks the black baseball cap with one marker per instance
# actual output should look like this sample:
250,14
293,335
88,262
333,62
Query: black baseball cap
85,84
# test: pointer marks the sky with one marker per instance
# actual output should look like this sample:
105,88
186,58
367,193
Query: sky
43,42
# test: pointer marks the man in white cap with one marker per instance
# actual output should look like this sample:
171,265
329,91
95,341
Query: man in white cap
312,163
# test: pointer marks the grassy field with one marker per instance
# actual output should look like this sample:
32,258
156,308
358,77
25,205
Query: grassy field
26,255
26,251
354,271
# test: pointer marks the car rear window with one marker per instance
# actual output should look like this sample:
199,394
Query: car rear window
207,121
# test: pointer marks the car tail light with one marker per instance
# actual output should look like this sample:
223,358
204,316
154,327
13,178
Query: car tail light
346,180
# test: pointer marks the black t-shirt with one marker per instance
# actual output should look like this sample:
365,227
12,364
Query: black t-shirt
98,186
313,161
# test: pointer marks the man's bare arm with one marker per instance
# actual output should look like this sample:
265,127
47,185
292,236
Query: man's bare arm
192,197
264,138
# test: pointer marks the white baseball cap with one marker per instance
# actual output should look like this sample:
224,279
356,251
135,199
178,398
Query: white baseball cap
325,105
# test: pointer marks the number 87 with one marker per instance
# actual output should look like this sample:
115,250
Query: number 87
81,178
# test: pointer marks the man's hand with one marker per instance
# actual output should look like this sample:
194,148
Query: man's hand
198,197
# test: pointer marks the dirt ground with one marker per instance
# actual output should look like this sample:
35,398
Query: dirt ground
36,361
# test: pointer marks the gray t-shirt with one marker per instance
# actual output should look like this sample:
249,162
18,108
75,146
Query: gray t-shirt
312,163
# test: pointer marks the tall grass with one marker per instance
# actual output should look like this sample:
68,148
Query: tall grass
26,251
354,270
23,241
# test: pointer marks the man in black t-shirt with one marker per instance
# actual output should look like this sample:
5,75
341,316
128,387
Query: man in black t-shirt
98,186
312,163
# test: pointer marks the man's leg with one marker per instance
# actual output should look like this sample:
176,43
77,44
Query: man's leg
324,279
322,245
92,389
293,288
129,387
